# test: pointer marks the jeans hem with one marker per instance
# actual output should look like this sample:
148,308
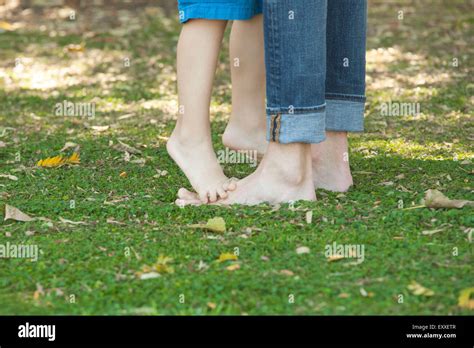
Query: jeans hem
291,110
306,128
344,115
216,12
348,97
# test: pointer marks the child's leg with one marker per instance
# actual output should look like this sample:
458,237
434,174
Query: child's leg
190,145
246,128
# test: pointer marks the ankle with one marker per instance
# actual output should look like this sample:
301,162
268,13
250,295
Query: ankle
289,162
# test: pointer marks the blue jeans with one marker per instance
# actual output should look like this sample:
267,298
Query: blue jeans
315,63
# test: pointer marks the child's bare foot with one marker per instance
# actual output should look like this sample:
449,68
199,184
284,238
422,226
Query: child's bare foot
331,169
198,161
240,137
283,175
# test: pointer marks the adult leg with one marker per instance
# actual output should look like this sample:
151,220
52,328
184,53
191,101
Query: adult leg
295,57
246,128
190,144
345,92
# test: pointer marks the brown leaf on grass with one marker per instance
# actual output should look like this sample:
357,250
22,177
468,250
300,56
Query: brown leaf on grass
69,145
233,267
435,199
287,272
38,292
8,176
429,233
122,147
211,305
465,300
100,128
59,161
419,290
12,213
216,224
66,221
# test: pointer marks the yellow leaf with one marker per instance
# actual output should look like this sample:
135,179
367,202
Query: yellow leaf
216,224
333,258
58,161
419,290
6,26
123,175
226,257
465,300
161,266
74,159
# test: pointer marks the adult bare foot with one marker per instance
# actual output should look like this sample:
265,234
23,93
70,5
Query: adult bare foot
331,169
284,175
198,161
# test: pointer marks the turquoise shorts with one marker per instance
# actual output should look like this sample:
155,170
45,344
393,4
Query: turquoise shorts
218,9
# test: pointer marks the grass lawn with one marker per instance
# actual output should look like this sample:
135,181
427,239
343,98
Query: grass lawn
129,220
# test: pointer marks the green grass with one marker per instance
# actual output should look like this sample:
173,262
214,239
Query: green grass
97,262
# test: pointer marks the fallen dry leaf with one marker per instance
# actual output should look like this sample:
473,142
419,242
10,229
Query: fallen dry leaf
161,266
226,257
100,128
465,300
419,290
333,258
123,174
150,275
69,145
287,272
6,26
66,221
211,305
435,199
216,224
59,161
122,147
75,48
8,176
429,233
233,267
2,144
309,217
12,213
302,250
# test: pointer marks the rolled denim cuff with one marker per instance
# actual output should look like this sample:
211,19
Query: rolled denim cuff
345,115
308,127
